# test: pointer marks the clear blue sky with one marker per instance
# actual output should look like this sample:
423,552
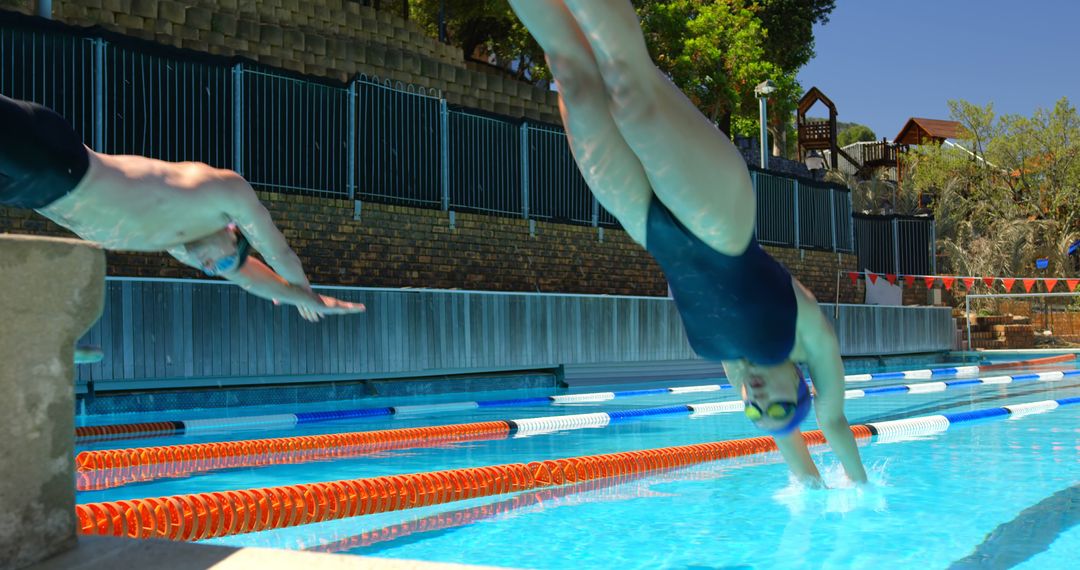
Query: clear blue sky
883,61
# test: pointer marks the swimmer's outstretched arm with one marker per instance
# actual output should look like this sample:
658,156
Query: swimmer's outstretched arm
257,278
827,371
797,456
244,208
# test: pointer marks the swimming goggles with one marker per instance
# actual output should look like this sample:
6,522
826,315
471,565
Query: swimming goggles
231,262
775,410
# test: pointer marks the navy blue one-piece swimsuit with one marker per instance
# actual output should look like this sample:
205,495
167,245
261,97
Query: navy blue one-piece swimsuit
733,307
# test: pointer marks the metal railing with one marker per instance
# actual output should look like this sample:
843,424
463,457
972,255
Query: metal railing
551,165
55,70
485,163
294,133
398,137
367,139
895,244
801,213
165,108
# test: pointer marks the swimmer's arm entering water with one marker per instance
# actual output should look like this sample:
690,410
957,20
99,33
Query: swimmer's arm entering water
793,447
258,279
244,208
827,372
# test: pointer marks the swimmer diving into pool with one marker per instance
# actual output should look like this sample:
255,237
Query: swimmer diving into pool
680,188
205,217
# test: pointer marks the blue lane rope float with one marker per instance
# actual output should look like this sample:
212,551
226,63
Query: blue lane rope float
289,420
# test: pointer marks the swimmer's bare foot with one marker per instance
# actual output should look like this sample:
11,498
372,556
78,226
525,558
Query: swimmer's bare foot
87,354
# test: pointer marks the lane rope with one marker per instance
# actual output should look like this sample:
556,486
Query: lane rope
86,434
104,469
208,515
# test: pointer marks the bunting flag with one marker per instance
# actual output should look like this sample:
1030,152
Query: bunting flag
969,282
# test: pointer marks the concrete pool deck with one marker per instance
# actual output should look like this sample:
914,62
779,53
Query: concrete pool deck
108,553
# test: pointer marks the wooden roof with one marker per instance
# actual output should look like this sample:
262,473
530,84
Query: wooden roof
917,130
813,96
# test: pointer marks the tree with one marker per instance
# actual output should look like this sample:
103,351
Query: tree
485,30
790,23
1008,193
714,52
855,133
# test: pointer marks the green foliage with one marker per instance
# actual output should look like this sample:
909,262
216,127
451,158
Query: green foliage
855,133
790,41
1008,194
487,30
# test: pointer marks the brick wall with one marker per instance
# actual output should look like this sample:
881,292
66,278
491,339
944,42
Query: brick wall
397,246
329,38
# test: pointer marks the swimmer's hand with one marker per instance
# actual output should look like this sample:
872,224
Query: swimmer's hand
314,306
86,354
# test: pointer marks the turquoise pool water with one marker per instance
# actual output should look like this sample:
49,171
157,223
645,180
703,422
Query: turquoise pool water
988,494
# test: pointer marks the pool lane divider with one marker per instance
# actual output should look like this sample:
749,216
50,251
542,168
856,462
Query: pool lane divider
208,515
104,469
84,434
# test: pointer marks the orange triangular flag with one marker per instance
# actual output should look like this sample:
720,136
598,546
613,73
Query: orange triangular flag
1027,284
969,282
1008,283
989,282
854,277
948,281
929,281
1072,283
873,277
1050,284
890,278
909,280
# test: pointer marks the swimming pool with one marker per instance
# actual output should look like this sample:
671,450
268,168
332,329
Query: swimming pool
994,490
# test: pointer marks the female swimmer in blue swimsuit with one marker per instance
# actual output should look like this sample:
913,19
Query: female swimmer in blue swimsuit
681,189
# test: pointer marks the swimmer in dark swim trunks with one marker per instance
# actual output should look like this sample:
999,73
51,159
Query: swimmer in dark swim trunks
205,217
680,188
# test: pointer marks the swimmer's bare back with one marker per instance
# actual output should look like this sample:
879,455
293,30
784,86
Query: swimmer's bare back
134,203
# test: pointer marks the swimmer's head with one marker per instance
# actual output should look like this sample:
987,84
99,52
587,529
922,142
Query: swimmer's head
776,397
221,252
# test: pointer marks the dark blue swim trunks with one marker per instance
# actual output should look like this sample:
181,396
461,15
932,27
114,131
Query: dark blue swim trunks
41,157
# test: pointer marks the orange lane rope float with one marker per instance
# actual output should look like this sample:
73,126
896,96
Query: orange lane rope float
102,469
208,515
